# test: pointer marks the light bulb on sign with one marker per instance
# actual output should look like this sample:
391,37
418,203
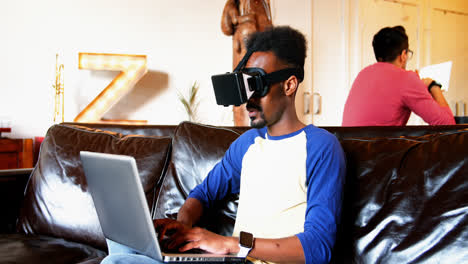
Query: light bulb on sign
132,68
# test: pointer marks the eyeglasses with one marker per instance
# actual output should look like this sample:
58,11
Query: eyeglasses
409,54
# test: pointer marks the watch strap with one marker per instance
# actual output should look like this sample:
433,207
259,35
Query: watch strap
433,83
243,252
246,243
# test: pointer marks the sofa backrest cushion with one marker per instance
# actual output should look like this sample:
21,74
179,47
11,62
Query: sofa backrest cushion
391,131
196,149
131,129
57,202
405,199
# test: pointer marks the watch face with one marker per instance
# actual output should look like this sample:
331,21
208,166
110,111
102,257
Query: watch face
246,239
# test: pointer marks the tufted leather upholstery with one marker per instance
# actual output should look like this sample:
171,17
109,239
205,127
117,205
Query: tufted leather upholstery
405,200
195,150
406,193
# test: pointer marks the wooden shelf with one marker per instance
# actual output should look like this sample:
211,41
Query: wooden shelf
16,153
4,129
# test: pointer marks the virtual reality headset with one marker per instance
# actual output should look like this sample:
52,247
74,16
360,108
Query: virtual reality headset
237,87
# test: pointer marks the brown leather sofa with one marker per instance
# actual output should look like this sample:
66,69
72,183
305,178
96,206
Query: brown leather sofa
406,193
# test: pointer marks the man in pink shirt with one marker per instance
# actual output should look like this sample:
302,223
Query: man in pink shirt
385,93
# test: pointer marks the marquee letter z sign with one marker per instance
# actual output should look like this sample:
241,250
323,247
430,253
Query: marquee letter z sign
131,67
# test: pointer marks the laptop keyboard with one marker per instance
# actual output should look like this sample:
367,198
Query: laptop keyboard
195,259
190,251
163,244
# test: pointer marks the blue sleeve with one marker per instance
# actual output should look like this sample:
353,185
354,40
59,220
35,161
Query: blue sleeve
326,169
224,178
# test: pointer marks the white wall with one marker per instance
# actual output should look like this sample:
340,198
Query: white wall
182,40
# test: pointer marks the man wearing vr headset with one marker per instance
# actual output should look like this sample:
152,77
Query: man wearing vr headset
289,176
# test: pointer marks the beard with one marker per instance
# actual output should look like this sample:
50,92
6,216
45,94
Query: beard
256,122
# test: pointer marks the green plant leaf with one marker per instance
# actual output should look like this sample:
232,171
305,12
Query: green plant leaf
190,103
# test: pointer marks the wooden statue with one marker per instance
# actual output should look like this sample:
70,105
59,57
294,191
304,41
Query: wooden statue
240,18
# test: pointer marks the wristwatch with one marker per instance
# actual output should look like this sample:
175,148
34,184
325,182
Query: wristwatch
432,84
246,243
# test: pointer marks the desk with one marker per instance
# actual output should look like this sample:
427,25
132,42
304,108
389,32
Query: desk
16,153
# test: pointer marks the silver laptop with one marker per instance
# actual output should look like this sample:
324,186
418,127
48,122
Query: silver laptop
123,212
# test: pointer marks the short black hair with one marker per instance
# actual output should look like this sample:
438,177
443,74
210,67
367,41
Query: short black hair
288,44
389,42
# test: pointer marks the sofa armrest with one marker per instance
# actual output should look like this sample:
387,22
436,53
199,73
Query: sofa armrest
12,186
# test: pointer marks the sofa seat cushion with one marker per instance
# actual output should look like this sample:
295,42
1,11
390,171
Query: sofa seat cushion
57,202
196,149
29,249
405,200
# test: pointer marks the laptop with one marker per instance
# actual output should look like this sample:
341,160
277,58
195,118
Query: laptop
123,212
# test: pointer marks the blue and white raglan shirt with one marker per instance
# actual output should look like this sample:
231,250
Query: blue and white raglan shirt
288,185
